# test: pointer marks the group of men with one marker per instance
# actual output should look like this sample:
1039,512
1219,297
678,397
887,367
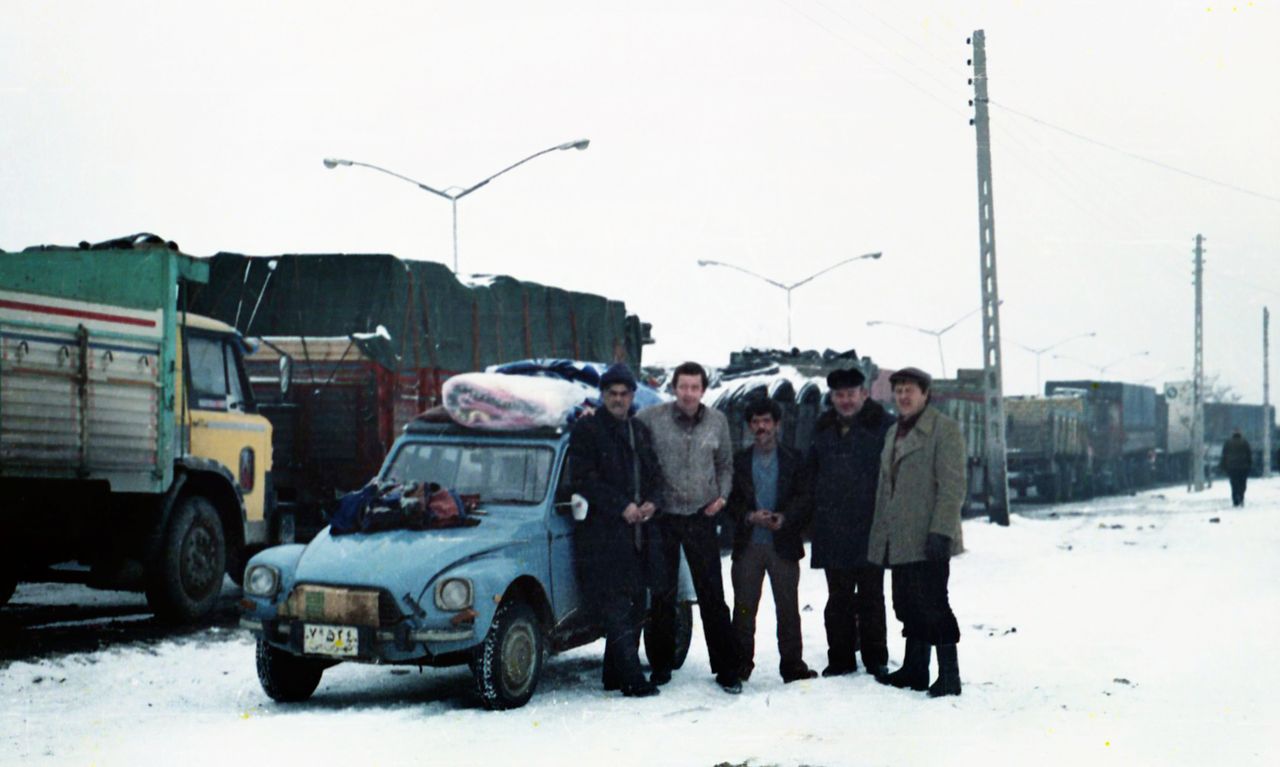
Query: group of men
871,492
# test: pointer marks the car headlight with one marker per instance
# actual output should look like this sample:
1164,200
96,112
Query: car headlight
454,594
261,581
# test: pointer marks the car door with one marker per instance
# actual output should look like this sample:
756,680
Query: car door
565,596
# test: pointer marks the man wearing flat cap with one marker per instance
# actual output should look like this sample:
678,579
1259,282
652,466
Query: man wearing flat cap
617,546
843,467
917,530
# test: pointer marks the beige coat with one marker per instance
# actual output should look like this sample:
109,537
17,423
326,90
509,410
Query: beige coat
927,495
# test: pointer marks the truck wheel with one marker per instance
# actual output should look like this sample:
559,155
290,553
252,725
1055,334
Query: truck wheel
286,677
187,578
509,661
683,631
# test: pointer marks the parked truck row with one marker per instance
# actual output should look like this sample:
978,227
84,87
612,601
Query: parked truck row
162,417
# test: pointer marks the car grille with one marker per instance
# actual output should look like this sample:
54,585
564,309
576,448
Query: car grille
336,604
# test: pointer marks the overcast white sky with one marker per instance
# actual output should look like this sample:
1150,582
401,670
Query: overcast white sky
778,135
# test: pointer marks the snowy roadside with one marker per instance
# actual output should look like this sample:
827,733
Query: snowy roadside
1126,631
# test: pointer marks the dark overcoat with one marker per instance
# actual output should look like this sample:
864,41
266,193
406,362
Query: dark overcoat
1237,455
793,503
843,471
602,471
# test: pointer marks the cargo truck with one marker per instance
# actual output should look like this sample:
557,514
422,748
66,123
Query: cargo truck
1123,431
1048,446
131,454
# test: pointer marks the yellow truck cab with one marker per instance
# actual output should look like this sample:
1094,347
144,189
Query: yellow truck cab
220,420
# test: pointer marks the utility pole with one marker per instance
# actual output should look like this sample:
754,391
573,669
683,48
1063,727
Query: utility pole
996,486
1267,418
1197,402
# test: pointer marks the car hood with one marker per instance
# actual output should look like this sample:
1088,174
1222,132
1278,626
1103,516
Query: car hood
404,561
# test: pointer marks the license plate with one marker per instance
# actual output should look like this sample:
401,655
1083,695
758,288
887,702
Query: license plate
319,639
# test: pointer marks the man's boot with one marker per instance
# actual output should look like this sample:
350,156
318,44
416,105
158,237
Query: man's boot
948,673
914,673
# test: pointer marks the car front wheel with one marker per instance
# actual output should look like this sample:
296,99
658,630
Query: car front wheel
286,677
509,661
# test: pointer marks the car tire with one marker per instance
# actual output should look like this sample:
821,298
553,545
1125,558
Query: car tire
683,631
285,677
509,661
185,581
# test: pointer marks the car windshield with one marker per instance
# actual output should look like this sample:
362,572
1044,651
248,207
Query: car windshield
496,473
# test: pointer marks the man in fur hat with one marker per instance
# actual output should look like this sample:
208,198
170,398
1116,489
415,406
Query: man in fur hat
844,466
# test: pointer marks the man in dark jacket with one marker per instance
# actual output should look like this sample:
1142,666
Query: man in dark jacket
1237,462
769,506
612,465
843,467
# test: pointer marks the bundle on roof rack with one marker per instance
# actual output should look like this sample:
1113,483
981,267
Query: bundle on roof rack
498,402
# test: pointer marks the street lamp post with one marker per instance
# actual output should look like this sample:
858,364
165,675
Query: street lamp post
455,193
784,287
1051,347
937,334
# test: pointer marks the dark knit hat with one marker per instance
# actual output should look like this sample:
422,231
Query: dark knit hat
921,378
618,373
850,378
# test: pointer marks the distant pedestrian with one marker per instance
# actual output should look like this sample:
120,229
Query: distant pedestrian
843,467
612,465
1237,462
917,530
694,450
770,507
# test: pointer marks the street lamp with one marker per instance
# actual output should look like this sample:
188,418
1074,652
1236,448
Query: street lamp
792,286
1050,347
455,193
937,334
1102,369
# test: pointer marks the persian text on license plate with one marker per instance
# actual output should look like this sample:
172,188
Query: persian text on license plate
321,639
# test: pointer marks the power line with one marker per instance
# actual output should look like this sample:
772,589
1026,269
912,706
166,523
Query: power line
1135,156
946,84
946,64
945,104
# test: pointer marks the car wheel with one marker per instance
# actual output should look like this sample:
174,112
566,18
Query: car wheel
683,632
286,677
186,579
509,661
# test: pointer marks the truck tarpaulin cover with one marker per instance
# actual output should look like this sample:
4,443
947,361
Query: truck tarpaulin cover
434,320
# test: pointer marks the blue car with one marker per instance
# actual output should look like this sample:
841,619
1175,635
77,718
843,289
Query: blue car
498,594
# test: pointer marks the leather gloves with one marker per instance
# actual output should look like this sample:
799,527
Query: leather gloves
937,547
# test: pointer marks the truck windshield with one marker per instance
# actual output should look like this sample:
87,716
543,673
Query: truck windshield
497,473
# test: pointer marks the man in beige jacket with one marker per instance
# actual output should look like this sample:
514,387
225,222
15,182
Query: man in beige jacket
916,530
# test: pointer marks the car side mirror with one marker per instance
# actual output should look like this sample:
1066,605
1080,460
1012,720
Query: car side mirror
576,505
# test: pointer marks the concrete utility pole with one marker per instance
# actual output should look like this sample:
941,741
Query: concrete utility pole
1267,417
1197,402
997,469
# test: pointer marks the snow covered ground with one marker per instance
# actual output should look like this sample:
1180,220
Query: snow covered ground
1130,631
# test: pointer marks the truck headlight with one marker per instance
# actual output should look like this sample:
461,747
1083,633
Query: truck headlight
261,581
454,594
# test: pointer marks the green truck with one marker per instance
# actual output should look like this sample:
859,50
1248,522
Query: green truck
130,446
